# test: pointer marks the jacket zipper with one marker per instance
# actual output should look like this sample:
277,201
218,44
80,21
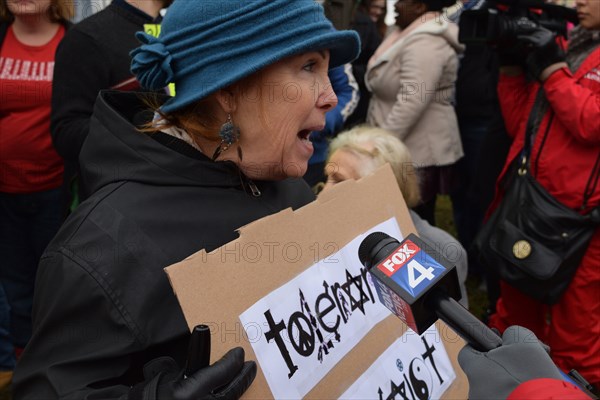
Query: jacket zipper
254,189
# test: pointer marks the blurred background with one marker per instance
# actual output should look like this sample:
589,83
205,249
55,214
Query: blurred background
85,8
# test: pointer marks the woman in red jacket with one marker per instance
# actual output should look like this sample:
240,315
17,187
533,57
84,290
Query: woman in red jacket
564,160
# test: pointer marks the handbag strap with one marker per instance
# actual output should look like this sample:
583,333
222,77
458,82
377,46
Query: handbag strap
529,133
592,182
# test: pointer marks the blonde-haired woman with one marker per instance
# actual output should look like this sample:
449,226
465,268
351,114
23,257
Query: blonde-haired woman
360,151
31,171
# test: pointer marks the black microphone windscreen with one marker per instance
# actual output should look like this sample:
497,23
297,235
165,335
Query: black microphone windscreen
365,254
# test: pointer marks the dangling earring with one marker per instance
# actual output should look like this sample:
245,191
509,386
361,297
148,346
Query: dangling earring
229,134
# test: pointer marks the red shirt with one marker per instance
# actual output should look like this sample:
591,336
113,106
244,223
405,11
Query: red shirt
28,161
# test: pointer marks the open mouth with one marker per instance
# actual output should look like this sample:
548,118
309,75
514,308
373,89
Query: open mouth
304,134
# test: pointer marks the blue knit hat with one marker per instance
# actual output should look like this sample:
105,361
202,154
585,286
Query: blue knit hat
206,45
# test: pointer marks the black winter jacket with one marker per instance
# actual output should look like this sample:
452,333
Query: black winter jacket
369,41
93,56
103,306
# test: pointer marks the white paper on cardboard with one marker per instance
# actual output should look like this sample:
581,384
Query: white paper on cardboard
301,330
414,367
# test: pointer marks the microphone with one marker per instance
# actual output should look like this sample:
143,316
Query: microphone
198,350
421,286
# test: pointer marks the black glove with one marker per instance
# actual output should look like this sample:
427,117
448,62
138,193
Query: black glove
226,379
495,374
512,53
544,51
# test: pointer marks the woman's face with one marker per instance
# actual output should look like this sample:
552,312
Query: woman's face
343,165
28,7
588,12
276,114
407,11
376,9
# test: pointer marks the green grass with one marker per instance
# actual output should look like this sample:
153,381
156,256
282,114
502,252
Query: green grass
443,215
477,297
5,394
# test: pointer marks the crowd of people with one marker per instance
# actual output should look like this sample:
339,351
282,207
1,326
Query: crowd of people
123,152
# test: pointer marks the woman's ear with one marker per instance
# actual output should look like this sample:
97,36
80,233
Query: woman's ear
226,100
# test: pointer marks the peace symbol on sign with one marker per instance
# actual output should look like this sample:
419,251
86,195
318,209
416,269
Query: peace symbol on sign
301,334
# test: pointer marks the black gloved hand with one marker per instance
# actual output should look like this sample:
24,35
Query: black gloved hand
226,379
495,374
544,51
512,53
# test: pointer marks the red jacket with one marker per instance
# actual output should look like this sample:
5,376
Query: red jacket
571,145
547,389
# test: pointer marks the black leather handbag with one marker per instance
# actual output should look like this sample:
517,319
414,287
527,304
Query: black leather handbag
532,241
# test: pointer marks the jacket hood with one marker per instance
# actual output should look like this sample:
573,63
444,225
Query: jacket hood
441,27
438,26
116,151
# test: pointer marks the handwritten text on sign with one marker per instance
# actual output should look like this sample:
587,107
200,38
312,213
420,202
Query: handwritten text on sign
413,368
301,330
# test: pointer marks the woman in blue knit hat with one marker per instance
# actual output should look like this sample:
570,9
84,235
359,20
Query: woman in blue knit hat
251,82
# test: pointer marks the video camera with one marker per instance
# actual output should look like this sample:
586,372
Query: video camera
500,22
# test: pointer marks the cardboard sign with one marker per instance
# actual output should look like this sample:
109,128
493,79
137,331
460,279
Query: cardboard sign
234,291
